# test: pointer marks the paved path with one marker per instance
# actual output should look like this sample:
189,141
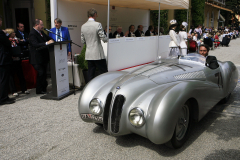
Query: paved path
231,53
42,129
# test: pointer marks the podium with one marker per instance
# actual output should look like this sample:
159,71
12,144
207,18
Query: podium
59,70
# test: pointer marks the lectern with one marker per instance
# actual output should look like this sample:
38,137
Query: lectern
59,70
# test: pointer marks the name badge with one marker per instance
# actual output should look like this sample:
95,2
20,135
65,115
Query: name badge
114,40
129,39
141,38
152,38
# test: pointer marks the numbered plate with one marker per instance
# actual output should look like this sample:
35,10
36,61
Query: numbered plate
93,117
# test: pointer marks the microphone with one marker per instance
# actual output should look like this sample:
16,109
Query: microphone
47,30
59,35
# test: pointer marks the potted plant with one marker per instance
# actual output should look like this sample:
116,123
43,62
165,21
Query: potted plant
83,64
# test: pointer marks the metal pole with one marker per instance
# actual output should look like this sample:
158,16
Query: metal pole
158,28
73,73
53,6
108,17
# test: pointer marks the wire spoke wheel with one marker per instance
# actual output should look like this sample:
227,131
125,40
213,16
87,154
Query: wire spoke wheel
182,128
182,124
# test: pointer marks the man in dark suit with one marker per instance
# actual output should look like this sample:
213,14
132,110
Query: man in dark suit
118,32
139,31
39,58
149,31
24,40
5,64
110,32
211,61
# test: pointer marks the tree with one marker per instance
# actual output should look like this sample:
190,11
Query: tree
197,12
180,16
163,19
233,5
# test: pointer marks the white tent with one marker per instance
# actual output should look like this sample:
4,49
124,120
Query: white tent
143,4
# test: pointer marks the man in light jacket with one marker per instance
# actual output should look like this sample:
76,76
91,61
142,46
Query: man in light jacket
91,35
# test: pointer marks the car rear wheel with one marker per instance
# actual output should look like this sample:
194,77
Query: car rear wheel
225,100
182,127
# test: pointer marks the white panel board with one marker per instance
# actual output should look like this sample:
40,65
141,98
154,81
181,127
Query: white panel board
164,46
126,54
61,66
129,52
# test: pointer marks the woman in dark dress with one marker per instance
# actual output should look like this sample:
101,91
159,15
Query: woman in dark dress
16,67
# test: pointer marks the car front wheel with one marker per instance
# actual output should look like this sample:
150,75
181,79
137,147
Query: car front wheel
182,127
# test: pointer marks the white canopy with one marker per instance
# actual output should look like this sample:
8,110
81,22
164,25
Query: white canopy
143,4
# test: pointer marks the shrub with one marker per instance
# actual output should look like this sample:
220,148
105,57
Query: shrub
83,64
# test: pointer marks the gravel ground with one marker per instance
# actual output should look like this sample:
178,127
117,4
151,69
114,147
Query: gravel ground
43,129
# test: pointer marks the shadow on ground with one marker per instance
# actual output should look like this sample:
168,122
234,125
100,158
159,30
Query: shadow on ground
231,154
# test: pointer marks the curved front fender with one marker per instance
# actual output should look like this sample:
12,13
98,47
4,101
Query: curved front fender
163,113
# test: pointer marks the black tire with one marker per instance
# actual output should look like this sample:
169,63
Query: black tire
99,124
225,100
182,128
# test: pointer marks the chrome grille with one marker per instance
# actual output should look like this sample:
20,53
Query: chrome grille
106,111
116,113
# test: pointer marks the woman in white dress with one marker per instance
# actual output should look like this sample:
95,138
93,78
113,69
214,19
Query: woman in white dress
183,39
174,43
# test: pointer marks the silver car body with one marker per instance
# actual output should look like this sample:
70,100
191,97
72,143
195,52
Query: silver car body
159,89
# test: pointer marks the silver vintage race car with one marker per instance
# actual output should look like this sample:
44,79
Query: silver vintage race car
158,101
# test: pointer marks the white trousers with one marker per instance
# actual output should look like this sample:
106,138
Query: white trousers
183,51
174,52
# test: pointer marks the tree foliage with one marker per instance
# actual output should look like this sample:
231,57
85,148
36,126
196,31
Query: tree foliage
233,5
48,14
180,16
163,19
83,64
197,11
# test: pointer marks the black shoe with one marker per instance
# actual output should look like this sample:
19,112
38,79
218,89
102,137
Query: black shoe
41,92
26,92
45,89
11,99
7,102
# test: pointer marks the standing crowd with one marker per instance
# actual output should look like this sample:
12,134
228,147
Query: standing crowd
184,41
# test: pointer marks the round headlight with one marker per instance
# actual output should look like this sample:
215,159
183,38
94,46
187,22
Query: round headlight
136,117
95,106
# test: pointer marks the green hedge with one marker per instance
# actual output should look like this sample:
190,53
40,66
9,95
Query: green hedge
163,19
83,64
180,16
198,12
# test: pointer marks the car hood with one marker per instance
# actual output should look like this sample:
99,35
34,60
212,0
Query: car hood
165,72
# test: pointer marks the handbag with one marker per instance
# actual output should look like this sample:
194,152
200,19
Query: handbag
16,51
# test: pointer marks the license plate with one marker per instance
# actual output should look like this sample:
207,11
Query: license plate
91,116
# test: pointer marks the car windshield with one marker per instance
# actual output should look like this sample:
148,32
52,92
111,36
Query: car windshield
194,57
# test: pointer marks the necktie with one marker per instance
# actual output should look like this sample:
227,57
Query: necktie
58,37
40,34
22,34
